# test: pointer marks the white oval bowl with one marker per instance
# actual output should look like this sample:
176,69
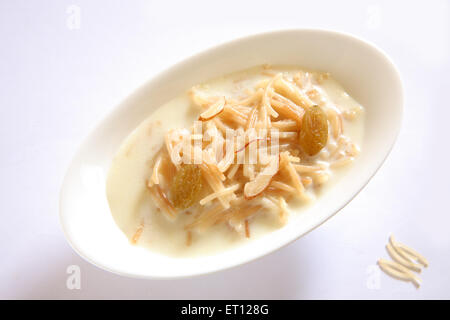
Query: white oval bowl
365,72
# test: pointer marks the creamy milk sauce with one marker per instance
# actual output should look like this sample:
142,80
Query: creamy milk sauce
129,198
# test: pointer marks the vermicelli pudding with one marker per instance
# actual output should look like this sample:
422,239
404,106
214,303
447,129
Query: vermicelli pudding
233,159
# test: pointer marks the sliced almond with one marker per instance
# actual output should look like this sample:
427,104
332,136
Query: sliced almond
261,182
215,109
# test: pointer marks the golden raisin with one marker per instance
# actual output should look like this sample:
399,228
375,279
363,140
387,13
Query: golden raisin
186,186
314,132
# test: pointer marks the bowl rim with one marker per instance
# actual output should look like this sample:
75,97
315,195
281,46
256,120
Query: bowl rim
198,55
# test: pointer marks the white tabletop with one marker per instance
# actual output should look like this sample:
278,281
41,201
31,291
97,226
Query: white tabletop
63,67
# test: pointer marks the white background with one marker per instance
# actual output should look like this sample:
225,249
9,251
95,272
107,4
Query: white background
56,83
